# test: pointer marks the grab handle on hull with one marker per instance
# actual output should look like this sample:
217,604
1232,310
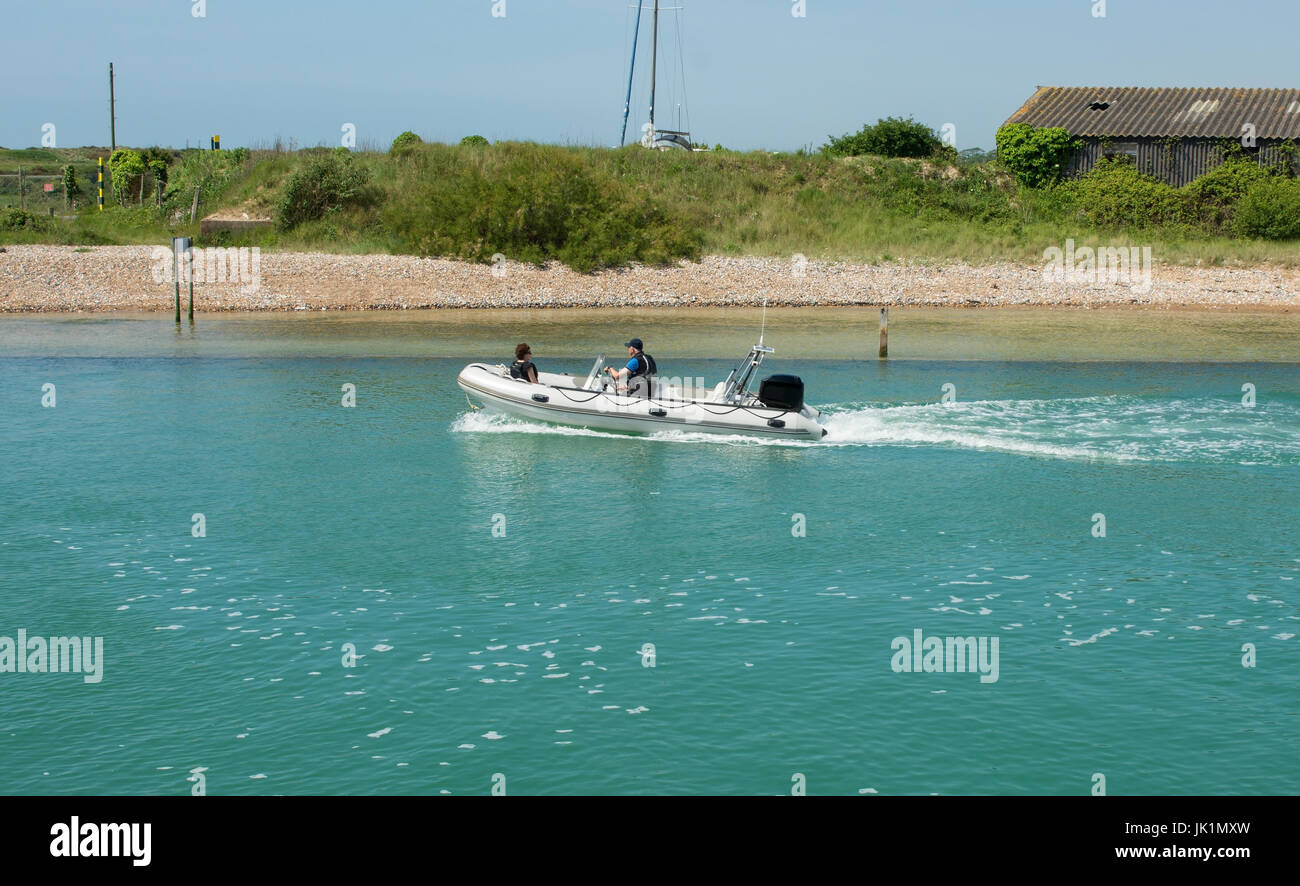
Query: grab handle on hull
775,423
659,412
541,398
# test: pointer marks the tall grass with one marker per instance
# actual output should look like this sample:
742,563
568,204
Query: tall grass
591,208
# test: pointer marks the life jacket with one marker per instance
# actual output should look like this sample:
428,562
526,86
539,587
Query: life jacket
641,382
519,369
645,365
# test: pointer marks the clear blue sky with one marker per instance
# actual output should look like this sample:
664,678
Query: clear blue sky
556,70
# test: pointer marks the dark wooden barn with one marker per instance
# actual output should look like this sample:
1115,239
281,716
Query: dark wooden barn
1172,134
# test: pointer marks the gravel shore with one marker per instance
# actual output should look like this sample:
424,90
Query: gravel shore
132,278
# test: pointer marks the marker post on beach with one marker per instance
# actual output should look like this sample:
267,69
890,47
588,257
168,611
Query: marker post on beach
181,245
884,333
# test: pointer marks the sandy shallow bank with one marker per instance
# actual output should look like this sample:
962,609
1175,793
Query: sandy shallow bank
127,278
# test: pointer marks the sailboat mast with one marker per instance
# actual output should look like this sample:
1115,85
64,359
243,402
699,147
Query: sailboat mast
654,60
627,103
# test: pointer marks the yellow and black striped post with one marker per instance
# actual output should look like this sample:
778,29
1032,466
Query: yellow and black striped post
216,143
99,179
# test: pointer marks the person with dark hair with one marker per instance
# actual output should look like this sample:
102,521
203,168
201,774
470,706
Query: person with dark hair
523,367
639,373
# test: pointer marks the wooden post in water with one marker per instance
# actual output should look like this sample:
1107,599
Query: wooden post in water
181,245
884,333
176,274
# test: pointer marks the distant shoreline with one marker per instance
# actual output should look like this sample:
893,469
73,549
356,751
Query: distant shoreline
58,279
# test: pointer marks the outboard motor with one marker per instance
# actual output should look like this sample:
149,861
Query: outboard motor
782,392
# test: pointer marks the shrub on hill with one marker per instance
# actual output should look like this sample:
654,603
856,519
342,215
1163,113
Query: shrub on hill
532,203
209,171
1037,156
1214,194
125,165
324,183
1269,210
404,143
890,137
22,220
1115,194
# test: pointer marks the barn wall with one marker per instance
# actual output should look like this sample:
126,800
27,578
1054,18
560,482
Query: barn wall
1177,164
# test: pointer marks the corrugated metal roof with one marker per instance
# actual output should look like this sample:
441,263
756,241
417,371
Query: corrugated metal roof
1120,111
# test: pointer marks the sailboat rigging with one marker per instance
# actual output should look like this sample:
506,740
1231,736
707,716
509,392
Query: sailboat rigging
661,139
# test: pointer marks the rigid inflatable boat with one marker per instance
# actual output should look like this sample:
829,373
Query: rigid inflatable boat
777,409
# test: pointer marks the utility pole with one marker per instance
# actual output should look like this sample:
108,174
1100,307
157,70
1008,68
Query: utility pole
112,112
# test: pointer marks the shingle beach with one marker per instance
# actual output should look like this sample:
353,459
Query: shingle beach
126,278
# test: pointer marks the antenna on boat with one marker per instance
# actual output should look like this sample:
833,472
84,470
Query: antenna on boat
763,328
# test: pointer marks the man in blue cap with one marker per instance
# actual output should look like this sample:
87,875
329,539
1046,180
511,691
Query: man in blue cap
637,377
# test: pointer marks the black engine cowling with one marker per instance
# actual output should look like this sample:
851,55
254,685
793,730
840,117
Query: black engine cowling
782,392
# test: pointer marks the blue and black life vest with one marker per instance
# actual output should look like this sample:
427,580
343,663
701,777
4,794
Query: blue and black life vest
645,369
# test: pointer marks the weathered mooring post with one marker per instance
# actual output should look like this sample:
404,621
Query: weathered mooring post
884,333
181,245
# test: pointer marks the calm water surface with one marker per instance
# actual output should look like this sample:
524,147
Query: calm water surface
520,652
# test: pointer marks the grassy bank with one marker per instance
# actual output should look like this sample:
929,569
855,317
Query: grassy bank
598,207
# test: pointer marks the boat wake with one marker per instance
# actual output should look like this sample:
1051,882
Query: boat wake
1120,428
484,422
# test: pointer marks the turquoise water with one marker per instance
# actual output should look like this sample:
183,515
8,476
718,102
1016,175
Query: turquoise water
480,654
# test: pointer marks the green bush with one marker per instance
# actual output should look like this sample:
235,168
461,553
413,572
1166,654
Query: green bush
209,171
324,183
157,154
404,142
1037,157
890,137
71,185
1115,194
22,220
532,203
125,165
1270,210
1214,194
474,140
239,156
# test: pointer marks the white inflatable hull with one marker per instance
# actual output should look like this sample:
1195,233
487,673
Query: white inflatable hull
562,399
